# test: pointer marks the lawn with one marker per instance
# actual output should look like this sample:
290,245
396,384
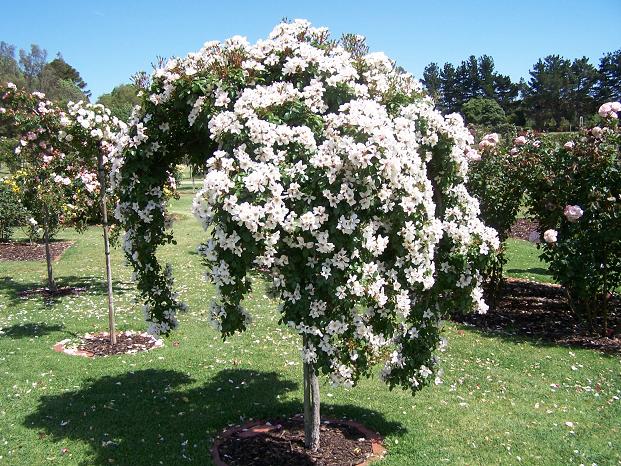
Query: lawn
504,400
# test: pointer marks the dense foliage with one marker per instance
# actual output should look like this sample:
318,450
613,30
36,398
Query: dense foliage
121,101
492,180
329,171
575,194
12,212
486,113
558,94
58,151
31,70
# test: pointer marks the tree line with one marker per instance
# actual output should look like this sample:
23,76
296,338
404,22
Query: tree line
31,70
58,80
557,95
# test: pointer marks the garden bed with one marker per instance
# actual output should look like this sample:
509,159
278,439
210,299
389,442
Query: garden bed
14,251
281,443
541,311
522,228
98,344
47,294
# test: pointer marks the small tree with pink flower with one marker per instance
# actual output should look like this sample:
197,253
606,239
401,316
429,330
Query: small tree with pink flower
64,165
575,194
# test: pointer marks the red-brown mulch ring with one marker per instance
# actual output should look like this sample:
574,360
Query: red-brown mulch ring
13,251
541,311
46,293
98,344
522,228
281,443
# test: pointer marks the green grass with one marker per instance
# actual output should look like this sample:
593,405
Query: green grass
503,401
523,262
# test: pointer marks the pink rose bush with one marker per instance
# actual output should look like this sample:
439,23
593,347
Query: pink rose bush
492,180
573,189
57,150
328,170
573,213
610,110
489,141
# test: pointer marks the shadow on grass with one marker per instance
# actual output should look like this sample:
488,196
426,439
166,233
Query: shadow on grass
17,291
158,416
30,330
539,313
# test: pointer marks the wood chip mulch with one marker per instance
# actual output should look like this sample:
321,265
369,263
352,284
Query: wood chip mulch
13,251
47,294
98,344
540,311
522,228
281,443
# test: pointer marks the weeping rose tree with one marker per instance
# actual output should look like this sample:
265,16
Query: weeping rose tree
63,154
328,170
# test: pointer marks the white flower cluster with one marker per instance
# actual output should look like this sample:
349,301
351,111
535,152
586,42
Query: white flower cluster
357,209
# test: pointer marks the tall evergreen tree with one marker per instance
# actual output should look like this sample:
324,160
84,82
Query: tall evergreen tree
9,67
582,91
451,94
473,78
547,90
64,71
487,76
432,81
609,85
560,92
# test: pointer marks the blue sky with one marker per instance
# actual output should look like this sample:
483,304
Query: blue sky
107,41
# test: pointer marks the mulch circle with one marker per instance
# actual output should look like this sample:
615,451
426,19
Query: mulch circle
46,293
98,344
13,251
540,311
281,443
522,228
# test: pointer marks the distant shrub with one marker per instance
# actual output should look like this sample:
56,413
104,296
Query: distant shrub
12,212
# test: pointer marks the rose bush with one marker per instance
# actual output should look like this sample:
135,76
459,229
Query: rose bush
492,180
58,150
328,170
575,194
12,212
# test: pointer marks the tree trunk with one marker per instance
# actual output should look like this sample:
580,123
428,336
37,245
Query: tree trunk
104,222
312,416
51,284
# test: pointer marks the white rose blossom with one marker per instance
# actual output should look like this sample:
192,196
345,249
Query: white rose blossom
334,200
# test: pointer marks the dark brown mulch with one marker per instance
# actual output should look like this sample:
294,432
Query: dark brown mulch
98,344
522,228
46,293
13,251
341,445
540,311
